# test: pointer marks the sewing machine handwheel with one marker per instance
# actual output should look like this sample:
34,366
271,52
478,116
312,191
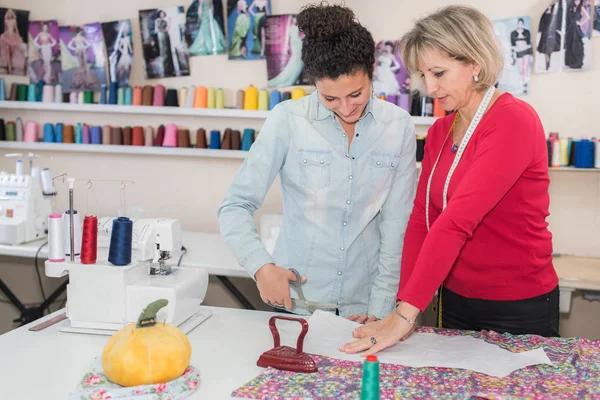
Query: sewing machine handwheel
275,332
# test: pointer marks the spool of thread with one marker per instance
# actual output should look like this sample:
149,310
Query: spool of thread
89,240
597,154
182,96
73,98
86,134
39,90
56,240
78,133
76,232
369,389
172,98
274,99
564,152
286,96
49,136
555,153
404,101
128,96
298,93
58,93
201,97
184,138
81,98
584,157
138,136
392,98
147,95
251,98
415,104
263,100
382,96
2,130
2,90
220,102
48,183
553,135
19,129
31,132
88,97
226,143
48,94
159,96
137,96
112,93
247,139
121,96
215,139
19,168
59,132
201,139
14,92
189,99
239,100
96,135
127,136
211,98
103,99
573,151
438,109
236,140
10,131
35,173
121,239
170,139
106,134
160,135
116,135
148,136
420,148
32,92
549,149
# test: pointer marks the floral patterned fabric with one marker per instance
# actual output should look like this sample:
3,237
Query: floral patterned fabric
95,386
575,374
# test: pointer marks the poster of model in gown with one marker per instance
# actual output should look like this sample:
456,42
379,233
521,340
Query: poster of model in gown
82,57
596,25
550,47
514,35
44,52
390,76
204,28
117,38
247,28
163,42
284,52
13,41
578,32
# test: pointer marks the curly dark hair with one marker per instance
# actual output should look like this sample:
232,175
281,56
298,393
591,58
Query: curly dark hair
335,43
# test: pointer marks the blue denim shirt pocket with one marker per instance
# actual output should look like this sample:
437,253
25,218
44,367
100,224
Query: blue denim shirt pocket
315,168
383,167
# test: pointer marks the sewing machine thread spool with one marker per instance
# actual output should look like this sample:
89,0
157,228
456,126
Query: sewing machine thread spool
19,168
121,241
47,182
76,233
89,240
370,379
55,238
58,93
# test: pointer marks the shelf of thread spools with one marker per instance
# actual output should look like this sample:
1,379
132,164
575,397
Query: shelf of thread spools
573,154
157,100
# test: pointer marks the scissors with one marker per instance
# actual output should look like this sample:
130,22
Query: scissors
301,302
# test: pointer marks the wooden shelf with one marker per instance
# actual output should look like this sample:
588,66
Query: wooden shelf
150,110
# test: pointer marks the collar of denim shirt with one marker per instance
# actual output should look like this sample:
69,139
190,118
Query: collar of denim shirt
321,112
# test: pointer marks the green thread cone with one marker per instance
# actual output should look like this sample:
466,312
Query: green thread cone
370,379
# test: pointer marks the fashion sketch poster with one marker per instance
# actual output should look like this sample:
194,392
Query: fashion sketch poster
578,32
117,38
549,50
390,76
205,29
164,47
82,57
13,41
247,28
284,52
596,26
44,52
515,37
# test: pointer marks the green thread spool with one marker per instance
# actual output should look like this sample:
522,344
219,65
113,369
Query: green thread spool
22,92
88,97
211,98
370,379
10,132
121,96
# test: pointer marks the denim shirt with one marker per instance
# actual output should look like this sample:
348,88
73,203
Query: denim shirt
345,209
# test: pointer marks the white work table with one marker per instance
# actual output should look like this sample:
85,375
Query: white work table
49,364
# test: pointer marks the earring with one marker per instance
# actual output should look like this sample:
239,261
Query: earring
476,78
372,90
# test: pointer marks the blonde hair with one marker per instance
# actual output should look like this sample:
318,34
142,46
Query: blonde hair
460,32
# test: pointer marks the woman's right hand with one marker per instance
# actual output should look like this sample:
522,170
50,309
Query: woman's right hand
274,285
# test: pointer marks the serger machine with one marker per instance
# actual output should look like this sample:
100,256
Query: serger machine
102,297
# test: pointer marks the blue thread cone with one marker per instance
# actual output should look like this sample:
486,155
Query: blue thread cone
59,133
96,135
2,90
32,92
248,139
121,241
78,133
40,90
112,96
49,136
128,95
274,99
584,154
215,140
102,94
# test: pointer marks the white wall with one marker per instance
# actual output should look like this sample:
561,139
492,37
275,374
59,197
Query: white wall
191,189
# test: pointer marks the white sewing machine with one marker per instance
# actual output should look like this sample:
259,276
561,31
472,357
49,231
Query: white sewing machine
102,298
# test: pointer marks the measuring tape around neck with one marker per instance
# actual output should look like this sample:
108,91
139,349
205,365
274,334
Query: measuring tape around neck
463,144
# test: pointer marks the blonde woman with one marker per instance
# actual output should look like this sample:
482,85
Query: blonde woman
478,229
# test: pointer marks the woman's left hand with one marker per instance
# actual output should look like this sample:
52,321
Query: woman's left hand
363,318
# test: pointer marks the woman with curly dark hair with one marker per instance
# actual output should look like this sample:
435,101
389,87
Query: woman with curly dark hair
346,162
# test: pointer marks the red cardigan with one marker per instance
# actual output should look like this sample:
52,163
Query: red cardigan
492,241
